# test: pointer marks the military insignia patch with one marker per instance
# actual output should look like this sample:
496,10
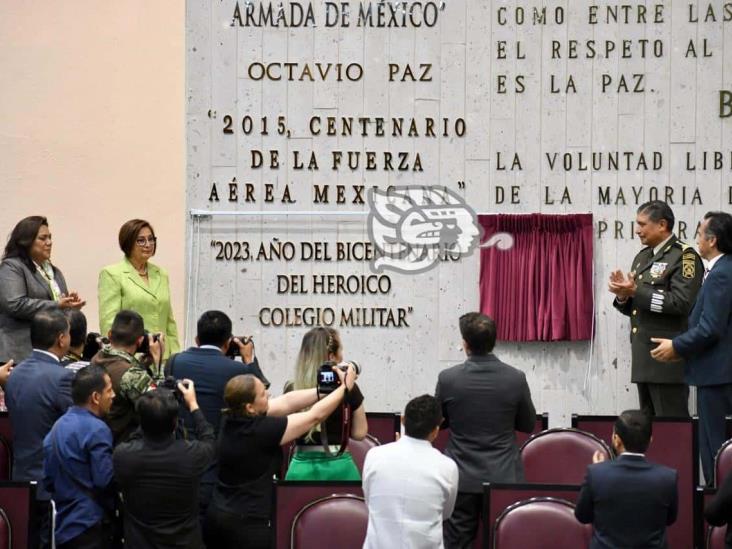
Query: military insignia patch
688,265
657,269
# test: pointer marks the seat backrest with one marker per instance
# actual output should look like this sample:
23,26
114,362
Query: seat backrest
332,521
6,459
560,456
6,540
540,523
359,449
715,537
18,504
722,463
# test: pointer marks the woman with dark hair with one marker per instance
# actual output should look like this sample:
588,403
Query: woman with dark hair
29,283
252,430
316,454
136,284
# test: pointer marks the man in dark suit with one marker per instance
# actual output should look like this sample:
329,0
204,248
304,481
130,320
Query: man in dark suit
159,474
657,295
484,402
707,344
629,501
38,393
210,369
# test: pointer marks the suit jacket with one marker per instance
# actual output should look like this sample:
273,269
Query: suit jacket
629,502
23,292
159,480
210,371
484,402
37,393
707,345
667,284
120,287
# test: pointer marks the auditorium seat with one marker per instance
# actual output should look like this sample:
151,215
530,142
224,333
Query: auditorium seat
6,459
542,423
560,456
499,497
383,426
540,523
17,502
292,496
722,463
5,531
332,521
287,451
715,537
359,449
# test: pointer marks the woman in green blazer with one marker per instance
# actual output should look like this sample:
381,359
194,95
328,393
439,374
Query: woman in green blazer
138,285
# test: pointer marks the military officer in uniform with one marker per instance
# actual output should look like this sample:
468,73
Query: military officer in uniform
657,295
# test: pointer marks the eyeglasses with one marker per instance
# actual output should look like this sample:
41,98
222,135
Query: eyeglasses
142,241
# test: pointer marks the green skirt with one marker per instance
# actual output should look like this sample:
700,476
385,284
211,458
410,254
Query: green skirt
319,466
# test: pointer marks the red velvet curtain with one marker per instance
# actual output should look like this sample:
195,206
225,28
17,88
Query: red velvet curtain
540,289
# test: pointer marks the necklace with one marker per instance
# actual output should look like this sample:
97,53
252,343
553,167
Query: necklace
142,271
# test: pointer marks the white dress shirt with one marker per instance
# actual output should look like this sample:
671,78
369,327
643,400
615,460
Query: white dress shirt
711,262
662,244
410,488
49,354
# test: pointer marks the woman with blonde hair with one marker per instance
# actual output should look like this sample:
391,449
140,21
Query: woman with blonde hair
317,454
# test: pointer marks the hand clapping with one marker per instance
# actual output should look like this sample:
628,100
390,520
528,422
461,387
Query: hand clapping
71,301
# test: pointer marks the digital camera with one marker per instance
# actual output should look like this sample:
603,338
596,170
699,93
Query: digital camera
144,346
91,346
171,384
233,350
327,378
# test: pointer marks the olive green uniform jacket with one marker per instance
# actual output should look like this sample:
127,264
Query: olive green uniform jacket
667,286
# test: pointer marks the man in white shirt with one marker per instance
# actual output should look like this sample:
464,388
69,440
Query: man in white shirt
410,487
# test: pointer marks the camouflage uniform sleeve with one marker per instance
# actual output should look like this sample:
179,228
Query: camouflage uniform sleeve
134,382
680,296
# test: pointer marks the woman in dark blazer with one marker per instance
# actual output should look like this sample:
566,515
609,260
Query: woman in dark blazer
28,283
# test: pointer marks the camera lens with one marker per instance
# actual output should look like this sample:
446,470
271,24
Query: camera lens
355,366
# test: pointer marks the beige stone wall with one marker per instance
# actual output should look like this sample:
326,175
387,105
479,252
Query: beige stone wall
92,129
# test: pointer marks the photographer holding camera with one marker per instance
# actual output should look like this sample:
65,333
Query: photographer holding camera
77,329
159,474
252,431
321,453
210,366
83,345
130,376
